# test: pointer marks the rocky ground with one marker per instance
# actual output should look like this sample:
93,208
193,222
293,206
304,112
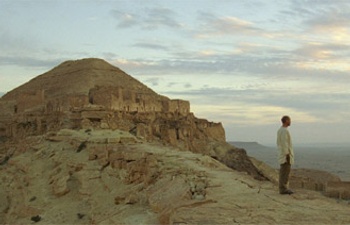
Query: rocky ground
110,177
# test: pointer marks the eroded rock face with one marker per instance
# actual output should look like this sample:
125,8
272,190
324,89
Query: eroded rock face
91,93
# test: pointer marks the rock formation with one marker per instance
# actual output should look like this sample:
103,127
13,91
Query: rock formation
80,94
92,94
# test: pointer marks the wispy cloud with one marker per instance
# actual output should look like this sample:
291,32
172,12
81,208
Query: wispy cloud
254,106
212,25
152,18
188,85
153,81
14,44
26,61
159,17
152,46
316,50
279,64
330,17
320,19
125,20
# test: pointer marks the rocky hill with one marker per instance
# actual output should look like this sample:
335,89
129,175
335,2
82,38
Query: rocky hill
92,94
85,143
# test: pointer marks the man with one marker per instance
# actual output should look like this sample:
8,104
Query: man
285,155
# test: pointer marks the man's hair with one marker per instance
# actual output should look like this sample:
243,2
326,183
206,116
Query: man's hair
284,119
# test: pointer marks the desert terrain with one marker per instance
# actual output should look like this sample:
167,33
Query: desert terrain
86,143
127,181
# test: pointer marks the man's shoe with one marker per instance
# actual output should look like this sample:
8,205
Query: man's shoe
288,192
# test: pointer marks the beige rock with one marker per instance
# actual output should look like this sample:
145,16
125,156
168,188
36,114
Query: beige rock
60,186
114,140
268,172
127,140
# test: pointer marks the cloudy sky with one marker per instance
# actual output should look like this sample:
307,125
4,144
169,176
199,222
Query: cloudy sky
243,63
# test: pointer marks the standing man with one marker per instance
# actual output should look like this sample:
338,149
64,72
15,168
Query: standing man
285,155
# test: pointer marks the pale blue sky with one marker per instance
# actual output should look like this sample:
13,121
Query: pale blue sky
244,63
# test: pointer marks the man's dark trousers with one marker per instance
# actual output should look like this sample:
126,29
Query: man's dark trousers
284,177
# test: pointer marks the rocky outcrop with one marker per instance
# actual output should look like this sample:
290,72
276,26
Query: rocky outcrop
111,177
92,94
338,189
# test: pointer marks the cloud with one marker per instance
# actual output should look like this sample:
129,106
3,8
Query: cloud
171,84
323,51
125,20
308,106
276,64
218,26
332,17
153,81
187,85
213,26
152,46
133,65
320,20
161,17
11,43
151,19
29,61
109,55
241,113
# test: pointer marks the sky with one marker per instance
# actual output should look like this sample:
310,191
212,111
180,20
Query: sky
243,63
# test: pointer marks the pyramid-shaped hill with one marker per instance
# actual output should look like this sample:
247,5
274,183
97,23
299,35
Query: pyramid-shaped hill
82,93
79,77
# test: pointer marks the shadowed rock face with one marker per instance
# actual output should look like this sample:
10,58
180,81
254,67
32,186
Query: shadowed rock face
92,94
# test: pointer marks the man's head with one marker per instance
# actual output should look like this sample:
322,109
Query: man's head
286,121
